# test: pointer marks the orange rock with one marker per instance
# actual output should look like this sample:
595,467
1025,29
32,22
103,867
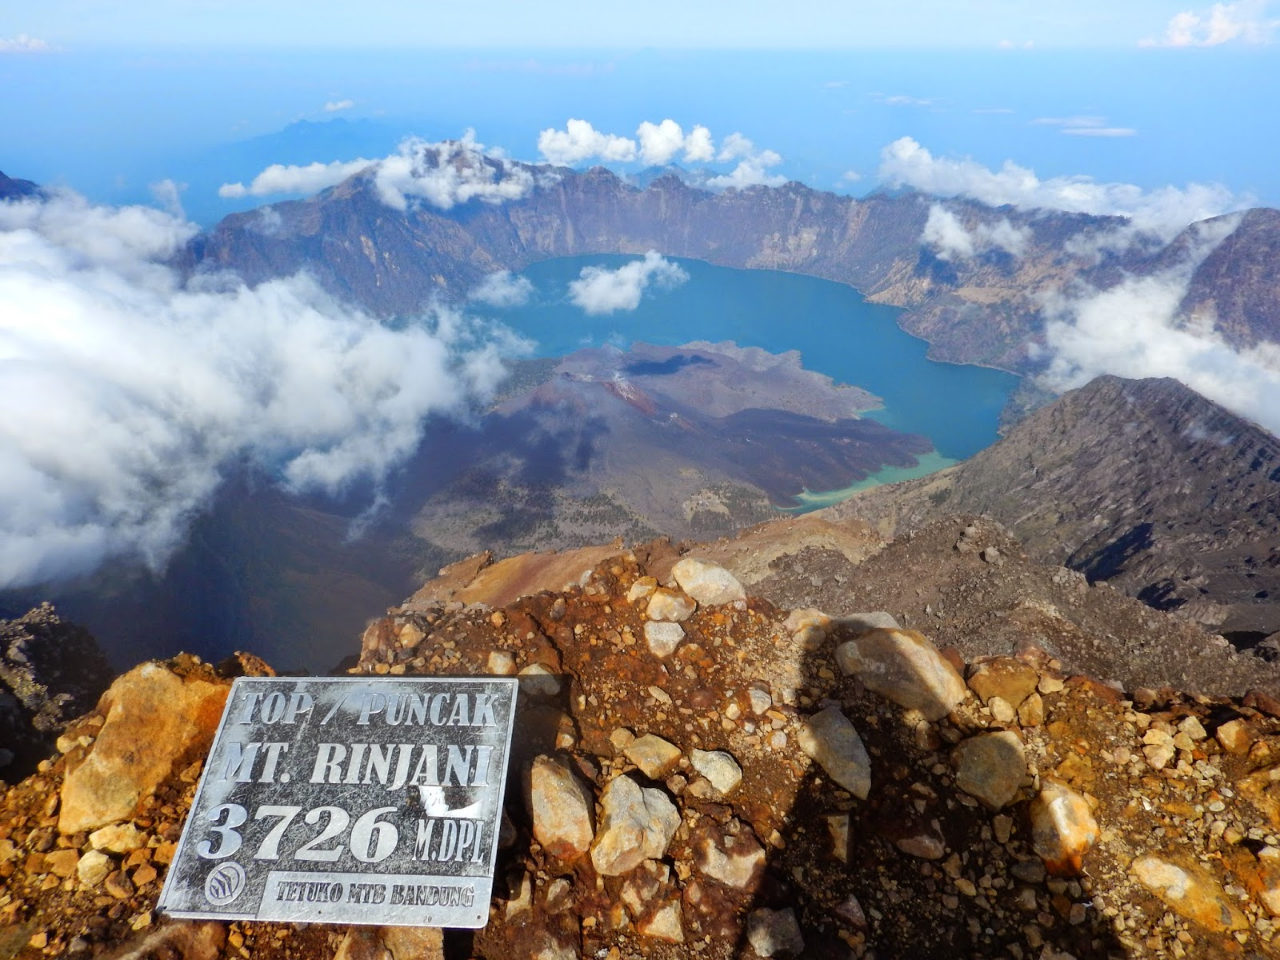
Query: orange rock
154,718
1062,828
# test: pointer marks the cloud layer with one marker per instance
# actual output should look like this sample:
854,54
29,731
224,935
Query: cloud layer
1134,329
599,290
503,289
1163,212
658,144
23,43
951,240
129,395
1245,21
440,174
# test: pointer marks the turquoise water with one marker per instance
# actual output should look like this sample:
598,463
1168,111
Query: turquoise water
836,331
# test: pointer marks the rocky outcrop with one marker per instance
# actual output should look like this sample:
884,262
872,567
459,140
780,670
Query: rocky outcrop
1141,483
51,672
745,795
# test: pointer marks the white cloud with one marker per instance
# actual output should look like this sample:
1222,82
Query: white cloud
1163,212
850,176
442,174
335,106
1134,330
280,178
944,232
1101,132
580,141
23,43
129,394
600,290
735,147
503,289
659,142
947,235
168,194
1245,21
698,146
1085,126
901,100
448,173
753,165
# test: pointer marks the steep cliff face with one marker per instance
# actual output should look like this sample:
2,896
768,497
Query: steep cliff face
1144,484
14,189
1237,286
983,307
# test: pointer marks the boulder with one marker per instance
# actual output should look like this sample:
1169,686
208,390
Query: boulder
562,808
991,767
708,583
1062,828
831,740
905,667
154,718
637,824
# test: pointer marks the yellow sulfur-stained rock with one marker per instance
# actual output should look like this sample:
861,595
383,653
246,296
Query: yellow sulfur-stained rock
1189,892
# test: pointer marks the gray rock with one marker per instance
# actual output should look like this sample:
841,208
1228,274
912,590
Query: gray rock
866,622
830,739
991,767
774,932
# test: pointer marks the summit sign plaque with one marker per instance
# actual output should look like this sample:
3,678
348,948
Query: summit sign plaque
352,800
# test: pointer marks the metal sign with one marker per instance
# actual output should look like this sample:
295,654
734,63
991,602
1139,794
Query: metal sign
352,800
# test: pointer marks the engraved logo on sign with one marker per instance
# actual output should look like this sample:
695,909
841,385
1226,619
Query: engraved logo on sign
224,884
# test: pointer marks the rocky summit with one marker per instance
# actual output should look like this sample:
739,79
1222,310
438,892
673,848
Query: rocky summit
761,783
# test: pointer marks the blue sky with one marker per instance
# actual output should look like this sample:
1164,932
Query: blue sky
110,97
800,24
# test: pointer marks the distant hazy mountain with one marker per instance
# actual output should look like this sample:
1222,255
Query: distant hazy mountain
1142,483
11,189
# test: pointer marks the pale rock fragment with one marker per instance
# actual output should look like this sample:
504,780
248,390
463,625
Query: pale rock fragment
1062,828
760,700
735,861
642,588
830,739
718,767
663,637
808,627
672,605
94,867
926,843
708,583
991,767
118,838
1235,737
857,623
655,757
562,808
774,932
1189,892
905,667
537,680
501,663
637,824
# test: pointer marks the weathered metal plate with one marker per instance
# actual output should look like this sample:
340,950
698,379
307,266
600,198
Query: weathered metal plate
352,800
